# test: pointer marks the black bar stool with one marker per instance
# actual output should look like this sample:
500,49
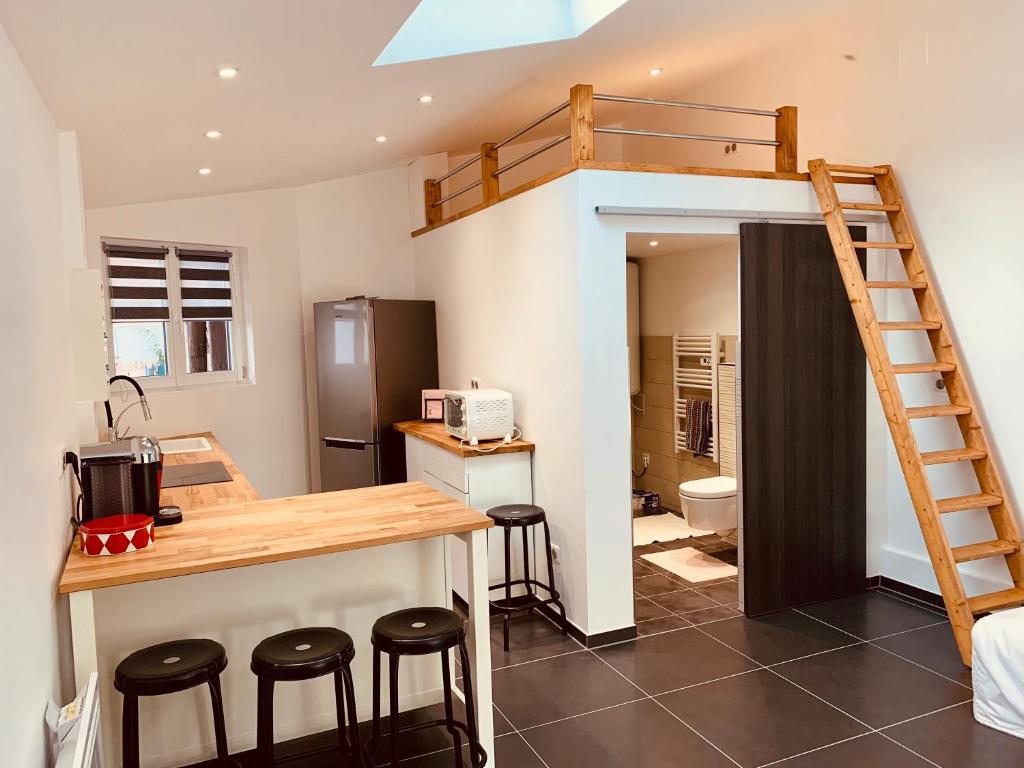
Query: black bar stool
418,632
169,668
304,654
524,516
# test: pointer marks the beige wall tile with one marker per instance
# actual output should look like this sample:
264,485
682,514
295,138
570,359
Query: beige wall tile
656,347
658,395
655,418
653,440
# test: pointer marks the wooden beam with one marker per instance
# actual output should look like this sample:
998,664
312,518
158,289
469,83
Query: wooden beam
581,122
785,134
488,165
431,194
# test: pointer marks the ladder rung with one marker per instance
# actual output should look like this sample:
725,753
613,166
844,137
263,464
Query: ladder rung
883,246
912,285
997,548
974,501
937,411
910,325
953,455
993,601
864,170
904,368
870,206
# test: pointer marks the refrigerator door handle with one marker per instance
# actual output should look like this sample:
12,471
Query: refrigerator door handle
341,442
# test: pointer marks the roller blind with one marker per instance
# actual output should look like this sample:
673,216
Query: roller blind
138,282
205,284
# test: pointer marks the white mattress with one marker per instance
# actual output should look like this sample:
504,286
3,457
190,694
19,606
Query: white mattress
998,659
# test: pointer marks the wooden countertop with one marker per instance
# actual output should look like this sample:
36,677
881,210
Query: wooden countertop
193,497
274,530
434,432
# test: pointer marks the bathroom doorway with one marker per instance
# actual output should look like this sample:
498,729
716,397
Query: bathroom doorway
683,327
761,504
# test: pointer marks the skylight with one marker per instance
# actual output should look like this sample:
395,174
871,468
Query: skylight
439,28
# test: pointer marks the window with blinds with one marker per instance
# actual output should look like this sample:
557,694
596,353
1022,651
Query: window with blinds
206,309
139,308
176,315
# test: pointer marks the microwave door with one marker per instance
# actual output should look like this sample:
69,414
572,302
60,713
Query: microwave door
346,464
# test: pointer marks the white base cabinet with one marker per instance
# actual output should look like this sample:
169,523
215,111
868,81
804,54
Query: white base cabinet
481,482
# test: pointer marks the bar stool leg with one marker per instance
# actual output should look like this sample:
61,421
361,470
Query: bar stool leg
449,712
393,685
526,565
551,578
375,734
219,730
265,722
353,716
130,732
339,707
508,587
475,749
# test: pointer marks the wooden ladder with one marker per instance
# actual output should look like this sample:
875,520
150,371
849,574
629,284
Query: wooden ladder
1007,544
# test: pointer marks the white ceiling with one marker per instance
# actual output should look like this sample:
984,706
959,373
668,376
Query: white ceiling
135,79
638,244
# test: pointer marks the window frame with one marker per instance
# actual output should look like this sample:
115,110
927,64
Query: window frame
177,377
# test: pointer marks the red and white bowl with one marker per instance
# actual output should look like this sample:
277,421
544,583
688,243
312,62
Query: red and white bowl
116,534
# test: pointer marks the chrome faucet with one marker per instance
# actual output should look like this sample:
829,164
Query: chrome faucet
111,421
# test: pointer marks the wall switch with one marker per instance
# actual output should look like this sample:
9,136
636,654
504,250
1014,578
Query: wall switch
555,555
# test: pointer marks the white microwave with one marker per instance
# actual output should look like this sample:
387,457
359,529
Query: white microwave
478,414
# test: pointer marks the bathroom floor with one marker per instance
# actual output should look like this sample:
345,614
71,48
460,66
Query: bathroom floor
870,680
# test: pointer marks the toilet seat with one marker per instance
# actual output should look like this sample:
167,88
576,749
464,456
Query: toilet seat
709,488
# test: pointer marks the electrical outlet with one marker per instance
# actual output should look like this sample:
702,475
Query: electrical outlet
645,459
62,466
474,383
555,552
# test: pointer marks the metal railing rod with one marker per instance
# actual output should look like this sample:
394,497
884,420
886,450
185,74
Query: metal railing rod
460,167
532,154
458,192
685,105
693,136
534,124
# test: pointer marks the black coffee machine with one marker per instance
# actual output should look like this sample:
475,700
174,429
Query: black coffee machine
121,478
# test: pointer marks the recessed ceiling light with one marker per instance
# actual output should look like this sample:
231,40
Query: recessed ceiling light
205,171
227,73
653,243
214,134
655,72
381,139
426,98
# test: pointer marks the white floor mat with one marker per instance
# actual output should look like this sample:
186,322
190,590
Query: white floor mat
667,527
692,565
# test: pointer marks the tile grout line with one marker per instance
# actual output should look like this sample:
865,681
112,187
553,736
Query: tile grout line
670,712
515,728
910,601
922,666
816,749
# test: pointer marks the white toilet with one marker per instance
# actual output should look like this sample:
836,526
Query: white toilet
710,504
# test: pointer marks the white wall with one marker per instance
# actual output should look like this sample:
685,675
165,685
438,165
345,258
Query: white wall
694,291
312,243
37,194
507,286
262,425
353,240
927,93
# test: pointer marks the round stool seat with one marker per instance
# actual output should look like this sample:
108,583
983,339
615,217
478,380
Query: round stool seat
170,667
417,631
516,515
302,654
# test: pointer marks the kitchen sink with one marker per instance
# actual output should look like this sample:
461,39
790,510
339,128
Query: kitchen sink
185,445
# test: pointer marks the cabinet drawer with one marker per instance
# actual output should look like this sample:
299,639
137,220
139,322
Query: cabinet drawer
445,466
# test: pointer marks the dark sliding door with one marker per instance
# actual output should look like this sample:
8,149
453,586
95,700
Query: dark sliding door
803,425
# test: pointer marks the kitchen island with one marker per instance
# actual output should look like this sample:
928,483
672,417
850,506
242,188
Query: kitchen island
239,572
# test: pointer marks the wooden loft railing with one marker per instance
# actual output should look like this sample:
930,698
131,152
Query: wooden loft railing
581,137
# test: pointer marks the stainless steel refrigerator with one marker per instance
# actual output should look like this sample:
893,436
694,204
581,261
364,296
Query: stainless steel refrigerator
373,357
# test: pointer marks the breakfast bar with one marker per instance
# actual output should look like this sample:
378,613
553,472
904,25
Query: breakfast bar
267,535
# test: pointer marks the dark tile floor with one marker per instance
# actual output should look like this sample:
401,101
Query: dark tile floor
871,680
